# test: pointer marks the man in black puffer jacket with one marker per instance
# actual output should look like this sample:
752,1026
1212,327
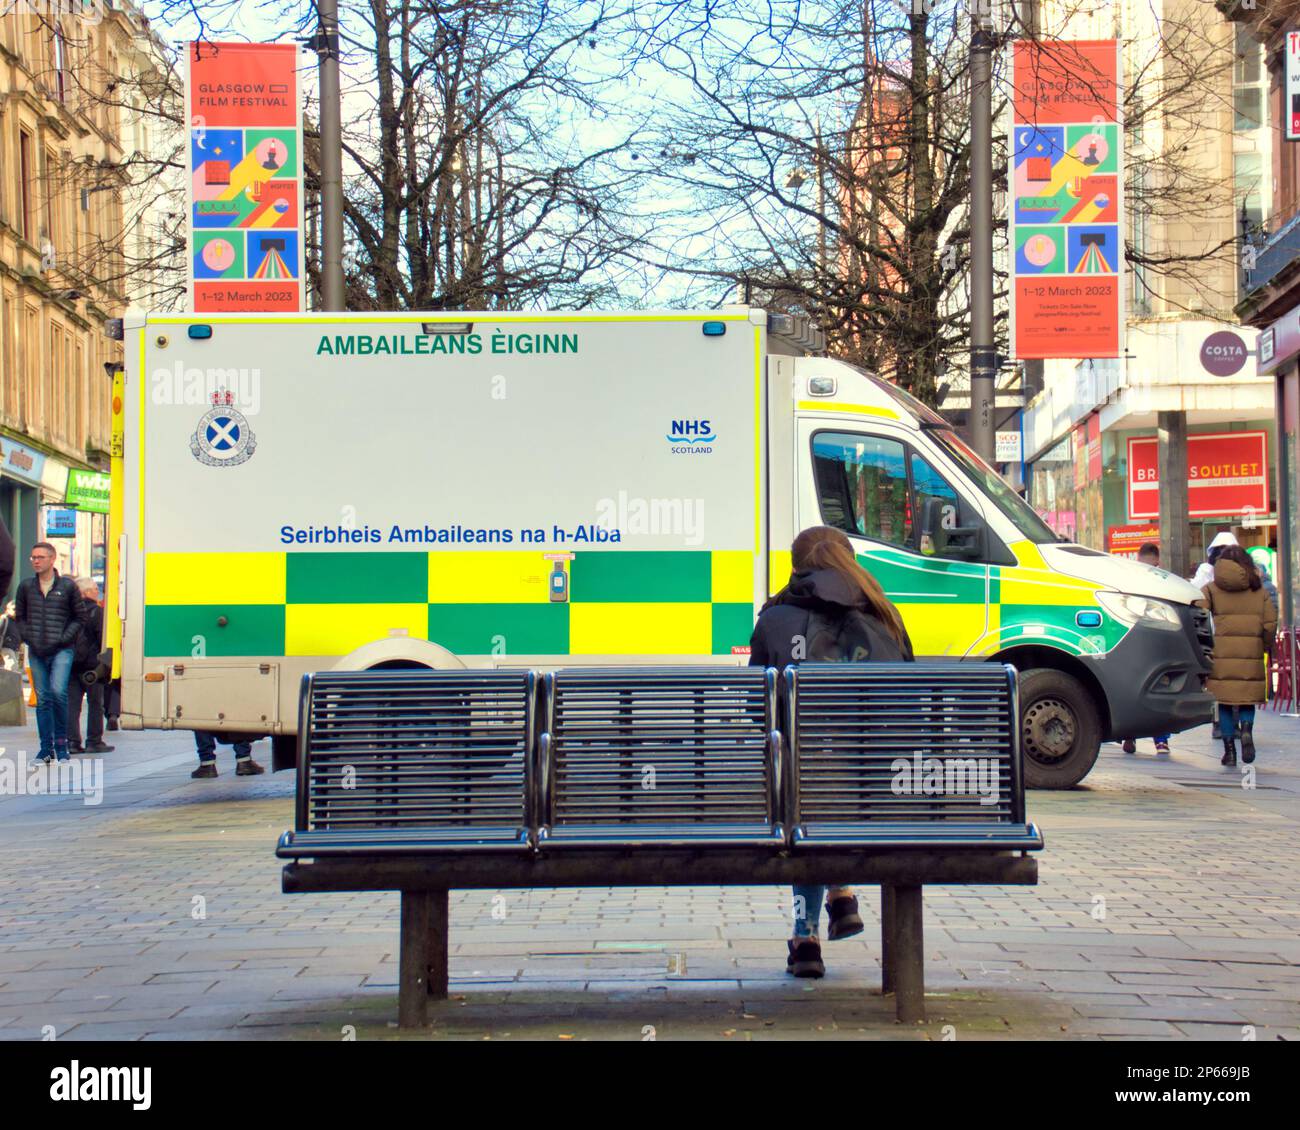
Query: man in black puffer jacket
50,613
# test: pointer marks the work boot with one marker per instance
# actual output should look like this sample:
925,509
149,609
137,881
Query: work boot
99,747
112,724
1229,752
205,769
247,767
1129,746
1247,742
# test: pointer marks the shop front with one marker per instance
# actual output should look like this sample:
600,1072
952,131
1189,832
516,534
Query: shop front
21,469
1279,354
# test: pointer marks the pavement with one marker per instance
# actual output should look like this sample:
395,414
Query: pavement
1167,909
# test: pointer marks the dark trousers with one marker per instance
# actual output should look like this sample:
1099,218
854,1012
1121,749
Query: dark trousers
94,694
113,698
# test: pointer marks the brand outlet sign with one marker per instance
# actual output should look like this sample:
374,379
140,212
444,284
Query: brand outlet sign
1227,474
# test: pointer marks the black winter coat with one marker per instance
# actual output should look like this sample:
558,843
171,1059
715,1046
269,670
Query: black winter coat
90,641
786,617
50,621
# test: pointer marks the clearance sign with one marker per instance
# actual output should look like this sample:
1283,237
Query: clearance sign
1227,474
245,186
1067,195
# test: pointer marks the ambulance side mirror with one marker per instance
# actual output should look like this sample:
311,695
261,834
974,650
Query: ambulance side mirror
946,539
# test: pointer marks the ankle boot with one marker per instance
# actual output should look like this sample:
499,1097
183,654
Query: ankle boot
1247,742
1229,752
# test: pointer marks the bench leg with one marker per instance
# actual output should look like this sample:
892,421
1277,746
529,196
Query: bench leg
908,955
438,927
413,959
887,941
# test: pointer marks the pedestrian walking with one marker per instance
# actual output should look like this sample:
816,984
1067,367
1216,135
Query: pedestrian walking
1203,576
50,613
1149,554
1245,622
832,609
205,742
84,661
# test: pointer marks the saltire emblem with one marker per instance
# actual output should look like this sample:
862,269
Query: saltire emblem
223,437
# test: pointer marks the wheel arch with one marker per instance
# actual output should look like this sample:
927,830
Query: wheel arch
399,651
1026,657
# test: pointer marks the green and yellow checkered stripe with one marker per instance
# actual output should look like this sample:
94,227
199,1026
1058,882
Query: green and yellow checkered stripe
472,603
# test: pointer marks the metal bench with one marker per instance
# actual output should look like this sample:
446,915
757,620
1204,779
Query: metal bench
430,781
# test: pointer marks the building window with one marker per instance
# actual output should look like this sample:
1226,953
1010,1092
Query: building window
28,218
1247,108
60,65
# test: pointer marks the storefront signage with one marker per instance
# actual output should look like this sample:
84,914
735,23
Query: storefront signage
21,462
1223,354
1227,474
1067,199
1008,447
1291,90
60,523
1125,541
87,490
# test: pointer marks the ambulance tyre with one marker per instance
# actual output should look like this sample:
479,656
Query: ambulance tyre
1060,729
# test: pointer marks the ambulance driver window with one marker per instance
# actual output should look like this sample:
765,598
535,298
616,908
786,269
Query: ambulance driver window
862,486
927,483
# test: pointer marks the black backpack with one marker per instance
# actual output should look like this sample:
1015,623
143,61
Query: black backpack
855,637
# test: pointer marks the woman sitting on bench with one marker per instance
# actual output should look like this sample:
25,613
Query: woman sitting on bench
832,609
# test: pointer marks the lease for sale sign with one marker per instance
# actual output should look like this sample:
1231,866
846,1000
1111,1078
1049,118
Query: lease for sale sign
1067,195
245,187
1227,474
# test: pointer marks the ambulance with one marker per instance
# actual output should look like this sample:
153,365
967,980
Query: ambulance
482,489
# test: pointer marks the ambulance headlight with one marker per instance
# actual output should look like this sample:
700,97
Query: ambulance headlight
1134,610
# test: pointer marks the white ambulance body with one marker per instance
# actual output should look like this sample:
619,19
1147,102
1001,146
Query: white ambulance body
346,491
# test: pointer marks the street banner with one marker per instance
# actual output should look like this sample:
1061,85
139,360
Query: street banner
1066,215
1291,88
245,227
1125,541
1227,475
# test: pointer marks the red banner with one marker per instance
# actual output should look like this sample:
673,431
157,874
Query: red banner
1067,192
245,215
1227,475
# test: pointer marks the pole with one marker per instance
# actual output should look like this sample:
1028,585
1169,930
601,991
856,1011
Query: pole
331,156
983,360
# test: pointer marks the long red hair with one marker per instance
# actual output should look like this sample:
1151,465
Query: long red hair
824,547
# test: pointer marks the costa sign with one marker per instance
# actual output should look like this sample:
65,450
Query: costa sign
1223,354
1227,473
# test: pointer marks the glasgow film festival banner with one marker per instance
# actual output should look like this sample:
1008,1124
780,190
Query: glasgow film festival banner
1067,196
245,186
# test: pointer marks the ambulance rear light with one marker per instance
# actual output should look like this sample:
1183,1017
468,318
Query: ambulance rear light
447,327
200,332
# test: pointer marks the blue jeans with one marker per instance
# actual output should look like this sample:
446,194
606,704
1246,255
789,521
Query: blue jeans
206,743
50,678
808,908
1230,716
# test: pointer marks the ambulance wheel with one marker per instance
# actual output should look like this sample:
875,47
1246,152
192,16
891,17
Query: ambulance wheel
1060,730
